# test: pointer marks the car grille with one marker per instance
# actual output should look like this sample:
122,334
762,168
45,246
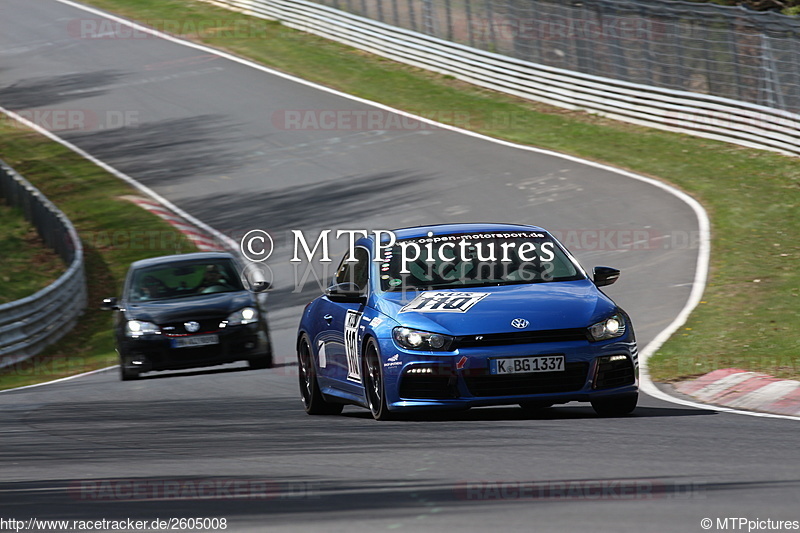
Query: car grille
480,383
521,337
207,325
612,374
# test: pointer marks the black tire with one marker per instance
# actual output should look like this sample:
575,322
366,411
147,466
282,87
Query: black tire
258,363
373,383
617,406
126,374
313,400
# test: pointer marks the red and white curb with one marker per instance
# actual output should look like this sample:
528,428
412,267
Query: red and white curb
739,389
200,238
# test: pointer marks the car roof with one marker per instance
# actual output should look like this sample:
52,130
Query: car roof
448,229
179,258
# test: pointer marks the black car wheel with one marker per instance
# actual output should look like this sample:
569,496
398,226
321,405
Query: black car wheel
313,400
257,363
373,383
127,374
619,406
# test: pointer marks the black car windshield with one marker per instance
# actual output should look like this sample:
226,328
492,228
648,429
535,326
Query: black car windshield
473,260
182,279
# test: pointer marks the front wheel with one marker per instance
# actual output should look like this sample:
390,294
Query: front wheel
373,383
258,363
127,374
618,406
313,400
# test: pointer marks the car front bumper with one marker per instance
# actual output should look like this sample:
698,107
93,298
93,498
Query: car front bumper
461,379
158,352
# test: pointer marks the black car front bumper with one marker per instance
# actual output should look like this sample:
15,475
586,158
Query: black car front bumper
158,351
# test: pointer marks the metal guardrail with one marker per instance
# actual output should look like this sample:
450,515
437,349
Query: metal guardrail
30,324
695,113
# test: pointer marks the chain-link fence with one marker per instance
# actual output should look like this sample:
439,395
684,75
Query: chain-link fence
722,51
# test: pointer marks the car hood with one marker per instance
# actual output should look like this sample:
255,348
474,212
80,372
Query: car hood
195,307
556,305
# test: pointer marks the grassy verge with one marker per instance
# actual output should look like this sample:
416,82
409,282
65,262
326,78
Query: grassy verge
91,199
20,245
749,315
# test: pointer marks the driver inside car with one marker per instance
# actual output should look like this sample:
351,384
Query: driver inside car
212,280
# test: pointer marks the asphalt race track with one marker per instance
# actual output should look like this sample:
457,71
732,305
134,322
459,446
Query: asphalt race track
216,138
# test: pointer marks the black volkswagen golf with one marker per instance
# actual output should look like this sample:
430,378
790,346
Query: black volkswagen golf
186,311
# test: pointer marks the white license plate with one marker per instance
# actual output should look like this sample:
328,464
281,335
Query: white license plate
526,365
192,342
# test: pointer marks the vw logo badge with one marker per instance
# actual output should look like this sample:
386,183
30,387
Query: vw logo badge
520,323
192,326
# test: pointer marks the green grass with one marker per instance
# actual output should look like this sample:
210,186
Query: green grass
751,196
20,245
91,199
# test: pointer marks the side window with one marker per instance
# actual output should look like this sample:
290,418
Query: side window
356,272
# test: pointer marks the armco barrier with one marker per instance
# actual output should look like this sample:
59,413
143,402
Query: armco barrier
29,325
681,111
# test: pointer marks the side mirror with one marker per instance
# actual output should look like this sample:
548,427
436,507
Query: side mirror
109,304
345,293
605,275
261,286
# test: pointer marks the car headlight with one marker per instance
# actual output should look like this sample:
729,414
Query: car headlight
414,339
137,328
610,328
245,315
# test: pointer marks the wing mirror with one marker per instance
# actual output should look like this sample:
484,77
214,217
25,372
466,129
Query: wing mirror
109,304
260,286
345,293
605,275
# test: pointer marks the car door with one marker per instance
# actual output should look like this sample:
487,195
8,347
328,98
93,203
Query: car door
339,337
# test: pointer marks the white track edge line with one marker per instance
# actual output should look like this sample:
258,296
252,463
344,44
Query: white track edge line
701,272
67,378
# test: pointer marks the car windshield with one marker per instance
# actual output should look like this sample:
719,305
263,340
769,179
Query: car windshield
182,279
474,260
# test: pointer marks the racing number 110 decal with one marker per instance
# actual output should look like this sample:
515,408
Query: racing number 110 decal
351,322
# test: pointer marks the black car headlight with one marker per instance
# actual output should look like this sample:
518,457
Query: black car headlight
137,328
414,339
245,315
610,328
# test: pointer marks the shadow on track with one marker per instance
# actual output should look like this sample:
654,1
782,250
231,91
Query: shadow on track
53,90
564,412
205,371
167,151
247,500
